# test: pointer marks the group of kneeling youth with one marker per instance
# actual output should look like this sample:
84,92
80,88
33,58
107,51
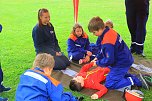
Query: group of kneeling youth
109,55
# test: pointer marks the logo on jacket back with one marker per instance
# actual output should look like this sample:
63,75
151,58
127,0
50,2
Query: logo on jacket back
107,55
51,32
120,39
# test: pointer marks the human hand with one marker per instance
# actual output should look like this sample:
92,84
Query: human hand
94,64
94,96
94,60
89,53
87,58
58,53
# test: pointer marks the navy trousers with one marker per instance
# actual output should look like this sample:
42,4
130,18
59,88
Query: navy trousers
137,12
61,62
76,56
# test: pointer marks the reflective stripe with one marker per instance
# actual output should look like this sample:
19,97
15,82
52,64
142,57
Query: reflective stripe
132,83
120,39
137,43
71,58
78,45
133,43
90,72
36,76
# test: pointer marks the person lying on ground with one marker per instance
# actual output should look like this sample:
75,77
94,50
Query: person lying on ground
90,79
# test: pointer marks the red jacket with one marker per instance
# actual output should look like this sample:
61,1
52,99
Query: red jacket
93,78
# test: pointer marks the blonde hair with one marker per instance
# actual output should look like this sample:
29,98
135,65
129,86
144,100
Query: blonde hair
43,60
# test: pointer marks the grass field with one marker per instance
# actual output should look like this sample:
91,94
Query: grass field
18,17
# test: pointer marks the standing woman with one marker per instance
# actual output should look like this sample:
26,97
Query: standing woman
45,40
137,12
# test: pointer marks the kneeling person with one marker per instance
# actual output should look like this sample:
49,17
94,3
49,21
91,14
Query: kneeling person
36,84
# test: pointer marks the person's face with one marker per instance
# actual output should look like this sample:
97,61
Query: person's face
78,32
97,33
79,79
45,18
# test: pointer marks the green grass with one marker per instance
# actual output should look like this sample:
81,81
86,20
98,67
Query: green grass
18,17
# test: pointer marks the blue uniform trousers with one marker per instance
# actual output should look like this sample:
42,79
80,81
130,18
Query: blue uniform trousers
119,78
137,12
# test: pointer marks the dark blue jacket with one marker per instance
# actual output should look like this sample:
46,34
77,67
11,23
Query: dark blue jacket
45,40
78,44
114,52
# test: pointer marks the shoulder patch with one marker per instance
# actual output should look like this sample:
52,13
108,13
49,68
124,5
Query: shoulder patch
110,37
85,35
54,81
73,37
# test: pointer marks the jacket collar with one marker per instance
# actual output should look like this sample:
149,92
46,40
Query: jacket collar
39,69
104,32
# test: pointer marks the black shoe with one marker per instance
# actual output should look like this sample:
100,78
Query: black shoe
141,54
148,79
133,48
3,99
132,51
81,99
4,89
144,83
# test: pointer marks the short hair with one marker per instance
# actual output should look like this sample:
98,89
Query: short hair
95,24
75,86
77,25
43,60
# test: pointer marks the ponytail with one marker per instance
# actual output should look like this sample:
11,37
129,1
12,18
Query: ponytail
40,13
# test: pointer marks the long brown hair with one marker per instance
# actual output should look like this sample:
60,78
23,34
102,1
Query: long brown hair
77,25
40,13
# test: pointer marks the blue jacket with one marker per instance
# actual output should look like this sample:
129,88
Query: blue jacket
78,44
114,52
45,40
36,86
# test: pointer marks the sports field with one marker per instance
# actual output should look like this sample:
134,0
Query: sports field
18,18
